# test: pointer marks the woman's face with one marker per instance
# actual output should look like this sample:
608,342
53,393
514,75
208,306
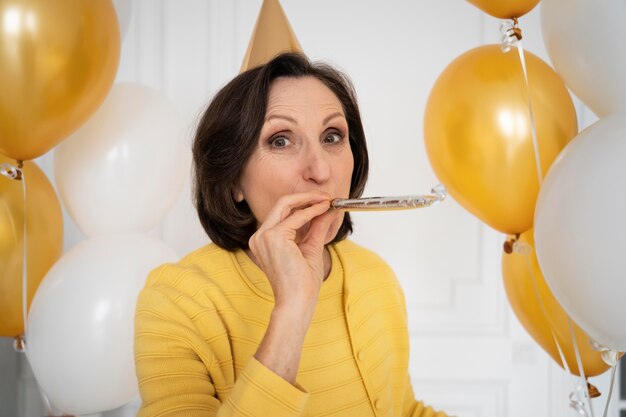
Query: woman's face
303,146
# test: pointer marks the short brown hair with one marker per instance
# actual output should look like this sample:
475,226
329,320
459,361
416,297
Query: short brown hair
228,133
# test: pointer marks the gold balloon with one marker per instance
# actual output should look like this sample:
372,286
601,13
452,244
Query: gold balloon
477,132
44,240
526,305
58,60
505,9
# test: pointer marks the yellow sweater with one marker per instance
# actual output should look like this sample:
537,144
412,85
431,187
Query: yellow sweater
199,322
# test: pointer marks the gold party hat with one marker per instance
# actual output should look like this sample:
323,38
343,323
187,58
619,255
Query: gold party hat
272,35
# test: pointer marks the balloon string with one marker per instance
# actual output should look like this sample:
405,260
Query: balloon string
16,173
580,365
24,265
608,398
524,249
575,403
46,402
533,129
512,36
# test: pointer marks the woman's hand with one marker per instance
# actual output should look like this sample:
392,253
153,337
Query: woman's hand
289,248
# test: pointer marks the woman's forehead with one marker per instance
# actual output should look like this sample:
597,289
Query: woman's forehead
294,92
297,97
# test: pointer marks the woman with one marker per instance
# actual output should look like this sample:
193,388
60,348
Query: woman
279,316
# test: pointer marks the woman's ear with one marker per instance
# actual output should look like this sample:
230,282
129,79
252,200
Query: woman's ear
238,194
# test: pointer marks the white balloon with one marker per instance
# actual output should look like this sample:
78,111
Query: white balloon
585,42
79,336
580,230
123,169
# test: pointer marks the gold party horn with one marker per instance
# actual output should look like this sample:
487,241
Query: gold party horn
407,202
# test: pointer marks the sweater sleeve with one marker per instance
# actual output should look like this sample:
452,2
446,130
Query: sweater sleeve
176,369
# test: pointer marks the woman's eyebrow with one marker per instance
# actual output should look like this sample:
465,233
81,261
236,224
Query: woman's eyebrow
326,120
280,116
331,117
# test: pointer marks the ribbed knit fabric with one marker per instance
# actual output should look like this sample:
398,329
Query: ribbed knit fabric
199,322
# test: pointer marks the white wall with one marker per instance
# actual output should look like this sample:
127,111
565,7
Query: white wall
469,354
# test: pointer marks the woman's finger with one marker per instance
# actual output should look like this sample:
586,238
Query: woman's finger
300,217
288,203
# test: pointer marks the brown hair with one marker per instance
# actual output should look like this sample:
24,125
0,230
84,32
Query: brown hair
228,133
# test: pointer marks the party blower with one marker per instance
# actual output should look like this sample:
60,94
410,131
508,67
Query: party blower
407,202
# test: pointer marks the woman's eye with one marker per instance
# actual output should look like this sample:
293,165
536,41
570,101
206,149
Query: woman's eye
333,137
279,142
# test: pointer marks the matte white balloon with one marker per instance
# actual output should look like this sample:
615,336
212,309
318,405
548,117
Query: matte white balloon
585,42
79,336
580,230
123,169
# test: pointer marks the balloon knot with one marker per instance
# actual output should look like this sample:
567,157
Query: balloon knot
610,356
593,391
19,344
511,34
12,172
509,245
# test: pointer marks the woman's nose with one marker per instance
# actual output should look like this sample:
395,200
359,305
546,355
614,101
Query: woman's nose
317,166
